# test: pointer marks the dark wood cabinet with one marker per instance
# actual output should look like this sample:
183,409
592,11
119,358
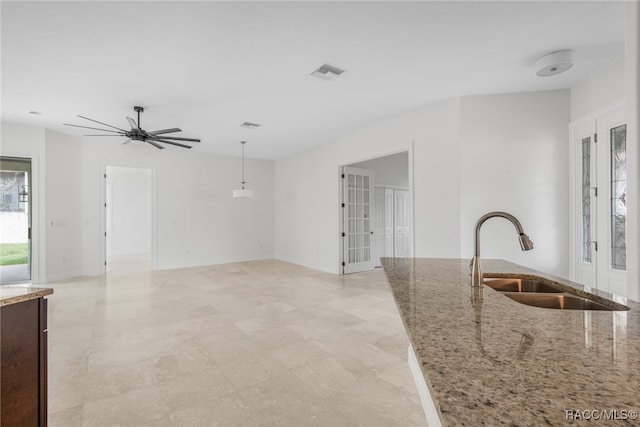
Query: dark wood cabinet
23,364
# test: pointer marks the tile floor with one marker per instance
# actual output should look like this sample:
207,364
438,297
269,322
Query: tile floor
263,343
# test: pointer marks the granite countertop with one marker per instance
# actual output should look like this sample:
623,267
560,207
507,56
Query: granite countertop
499,362
13,294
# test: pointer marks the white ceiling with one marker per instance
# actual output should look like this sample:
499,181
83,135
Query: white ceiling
207,67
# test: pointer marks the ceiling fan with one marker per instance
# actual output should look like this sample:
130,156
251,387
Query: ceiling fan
137,134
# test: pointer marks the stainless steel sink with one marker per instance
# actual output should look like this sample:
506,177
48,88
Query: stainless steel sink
539,292
562,301
520,285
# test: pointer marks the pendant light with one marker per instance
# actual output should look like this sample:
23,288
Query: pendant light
242,192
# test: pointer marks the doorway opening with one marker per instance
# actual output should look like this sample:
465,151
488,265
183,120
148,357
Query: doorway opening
376,212
128,219
15,219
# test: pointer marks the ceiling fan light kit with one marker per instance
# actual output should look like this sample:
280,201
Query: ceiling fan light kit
137,134
242,193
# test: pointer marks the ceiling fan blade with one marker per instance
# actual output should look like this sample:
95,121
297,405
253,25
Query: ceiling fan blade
170,142
158,132
132,123
117,134
180,139
158,146
103,130
87,118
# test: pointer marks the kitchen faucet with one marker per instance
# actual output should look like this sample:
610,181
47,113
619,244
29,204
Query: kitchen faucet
525,243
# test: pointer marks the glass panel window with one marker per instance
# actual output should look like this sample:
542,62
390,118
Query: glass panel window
619,197
586,200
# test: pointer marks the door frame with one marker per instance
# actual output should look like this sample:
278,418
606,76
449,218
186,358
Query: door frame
103,210
369,264
36,196
576,128
340,217
393,188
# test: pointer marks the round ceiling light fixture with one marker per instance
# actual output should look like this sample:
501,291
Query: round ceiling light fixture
554,63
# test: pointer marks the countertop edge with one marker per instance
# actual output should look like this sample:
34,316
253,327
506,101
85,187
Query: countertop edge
28,293
470,382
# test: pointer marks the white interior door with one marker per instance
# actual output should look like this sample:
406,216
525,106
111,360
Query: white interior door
357,228
378,221
388,222
128,219
401,224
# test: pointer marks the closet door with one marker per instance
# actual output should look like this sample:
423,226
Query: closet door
379,231
388,222
401,225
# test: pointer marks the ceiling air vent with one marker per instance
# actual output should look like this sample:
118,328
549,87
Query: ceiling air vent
327,72
250,125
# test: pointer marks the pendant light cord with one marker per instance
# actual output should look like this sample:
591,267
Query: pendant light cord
243,181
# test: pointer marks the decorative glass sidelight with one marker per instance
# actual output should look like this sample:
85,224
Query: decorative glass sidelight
586,200
619,197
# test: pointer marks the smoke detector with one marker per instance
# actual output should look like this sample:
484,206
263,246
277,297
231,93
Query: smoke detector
327,72
554,63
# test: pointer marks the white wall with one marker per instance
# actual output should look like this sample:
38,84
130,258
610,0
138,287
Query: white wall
307,186
63,216
468,156
56,221
196,220
601,90
514,158
618,82
390,170
632,89
129,217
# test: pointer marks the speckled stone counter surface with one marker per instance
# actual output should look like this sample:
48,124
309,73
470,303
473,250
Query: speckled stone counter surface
12,294
499,362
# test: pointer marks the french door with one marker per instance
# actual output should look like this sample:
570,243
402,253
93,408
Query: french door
357,195
601,189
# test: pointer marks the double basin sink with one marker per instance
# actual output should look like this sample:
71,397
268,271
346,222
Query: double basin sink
544,293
